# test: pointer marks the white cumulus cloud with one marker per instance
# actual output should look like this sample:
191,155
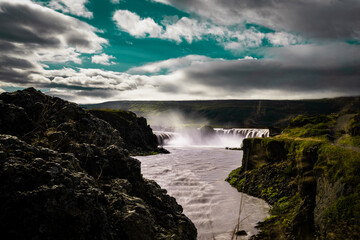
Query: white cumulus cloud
133,24
103,59
74,7
187,29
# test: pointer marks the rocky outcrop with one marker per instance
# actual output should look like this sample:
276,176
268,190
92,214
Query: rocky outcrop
65,174
312,184
138,137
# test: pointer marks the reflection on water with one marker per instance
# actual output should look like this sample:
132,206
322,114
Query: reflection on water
195,177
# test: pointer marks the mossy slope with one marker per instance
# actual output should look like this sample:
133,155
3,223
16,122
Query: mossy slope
311,181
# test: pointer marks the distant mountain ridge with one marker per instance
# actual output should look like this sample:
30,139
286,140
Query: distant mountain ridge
238,113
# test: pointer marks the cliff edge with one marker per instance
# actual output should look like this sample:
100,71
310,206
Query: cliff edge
65,174
138,137
310,174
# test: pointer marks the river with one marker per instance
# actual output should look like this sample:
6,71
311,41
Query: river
195,176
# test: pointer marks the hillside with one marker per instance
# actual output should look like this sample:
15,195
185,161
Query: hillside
237,113
310,174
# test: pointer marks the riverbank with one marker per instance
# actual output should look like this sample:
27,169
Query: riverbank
309,175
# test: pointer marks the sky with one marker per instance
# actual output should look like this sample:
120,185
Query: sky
91,51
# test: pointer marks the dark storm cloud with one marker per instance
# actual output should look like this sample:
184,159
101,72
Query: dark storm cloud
11,62
74,95
24,22
294,69
324,19
30,34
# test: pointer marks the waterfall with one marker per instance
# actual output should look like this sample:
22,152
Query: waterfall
228,137
244,132
163,137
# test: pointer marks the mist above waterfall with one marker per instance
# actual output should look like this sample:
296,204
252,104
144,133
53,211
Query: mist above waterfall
218,137
175,130
174,121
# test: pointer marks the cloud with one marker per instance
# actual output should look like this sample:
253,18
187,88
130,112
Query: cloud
190,29
84,95
312,69
193,30
283,39
133,24
171,65
184,28
320,19
31,34
94,79
292,72
103,59
74,7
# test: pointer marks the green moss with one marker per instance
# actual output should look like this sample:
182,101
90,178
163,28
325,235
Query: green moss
344,216
269,192
317,126
348,140
337,162
294,160
354,126
235,172
235,180
279,223
306,120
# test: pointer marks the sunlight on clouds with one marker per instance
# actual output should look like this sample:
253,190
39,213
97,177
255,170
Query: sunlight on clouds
172,64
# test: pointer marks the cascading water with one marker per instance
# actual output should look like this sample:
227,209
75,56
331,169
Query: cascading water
218,137
194,173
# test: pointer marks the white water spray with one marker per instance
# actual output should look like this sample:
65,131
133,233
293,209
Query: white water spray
218,137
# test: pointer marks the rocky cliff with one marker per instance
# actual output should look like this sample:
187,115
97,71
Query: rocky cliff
309,177
65,174
136,133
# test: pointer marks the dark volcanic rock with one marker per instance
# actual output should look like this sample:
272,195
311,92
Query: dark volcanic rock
136,133
65,175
